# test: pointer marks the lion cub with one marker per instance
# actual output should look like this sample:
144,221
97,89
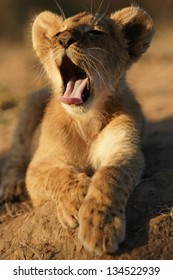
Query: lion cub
88,160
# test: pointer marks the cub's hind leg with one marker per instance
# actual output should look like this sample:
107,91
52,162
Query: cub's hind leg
26,133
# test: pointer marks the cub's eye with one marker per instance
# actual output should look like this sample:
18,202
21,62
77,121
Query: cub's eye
57,34
95,32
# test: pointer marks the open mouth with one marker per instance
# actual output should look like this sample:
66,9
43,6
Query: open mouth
76,83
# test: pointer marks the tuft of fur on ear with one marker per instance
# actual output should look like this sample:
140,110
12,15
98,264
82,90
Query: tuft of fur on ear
137,28
44,28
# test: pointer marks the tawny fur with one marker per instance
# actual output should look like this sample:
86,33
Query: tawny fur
88,160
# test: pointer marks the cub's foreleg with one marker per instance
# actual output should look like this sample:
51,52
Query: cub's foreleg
62,185
119,163
14,169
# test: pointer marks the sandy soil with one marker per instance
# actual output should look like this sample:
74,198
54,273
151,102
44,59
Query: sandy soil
36,234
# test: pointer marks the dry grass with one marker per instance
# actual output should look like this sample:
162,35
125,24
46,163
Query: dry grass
13,210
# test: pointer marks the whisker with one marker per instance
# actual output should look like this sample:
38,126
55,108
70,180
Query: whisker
41,77
40,81
61,10
104,13
85,8
97,48
100,63
90,63
41,48
99,8
94,67
36,66
92,6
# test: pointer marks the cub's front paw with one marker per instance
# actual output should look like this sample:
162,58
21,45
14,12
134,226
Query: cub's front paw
100,228
13,189
70,200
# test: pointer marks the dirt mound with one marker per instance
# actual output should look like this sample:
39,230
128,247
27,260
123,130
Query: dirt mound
37,234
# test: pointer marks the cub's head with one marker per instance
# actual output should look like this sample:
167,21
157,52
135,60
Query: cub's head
86,55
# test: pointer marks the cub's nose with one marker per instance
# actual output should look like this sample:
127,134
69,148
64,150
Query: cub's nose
67,38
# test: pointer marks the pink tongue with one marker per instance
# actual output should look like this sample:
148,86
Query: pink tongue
73,92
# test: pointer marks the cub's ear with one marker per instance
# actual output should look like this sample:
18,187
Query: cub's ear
45,26
137,27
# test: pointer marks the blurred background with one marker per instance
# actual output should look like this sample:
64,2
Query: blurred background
21,74
15,14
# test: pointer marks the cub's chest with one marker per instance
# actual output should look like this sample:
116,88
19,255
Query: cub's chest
75,142
70,137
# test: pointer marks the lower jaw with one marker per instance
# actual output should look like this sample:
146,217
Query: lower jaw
74,109
82,108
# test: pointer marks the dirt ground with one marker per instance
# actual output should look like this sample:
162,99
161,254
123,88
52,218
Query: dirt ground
36,234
